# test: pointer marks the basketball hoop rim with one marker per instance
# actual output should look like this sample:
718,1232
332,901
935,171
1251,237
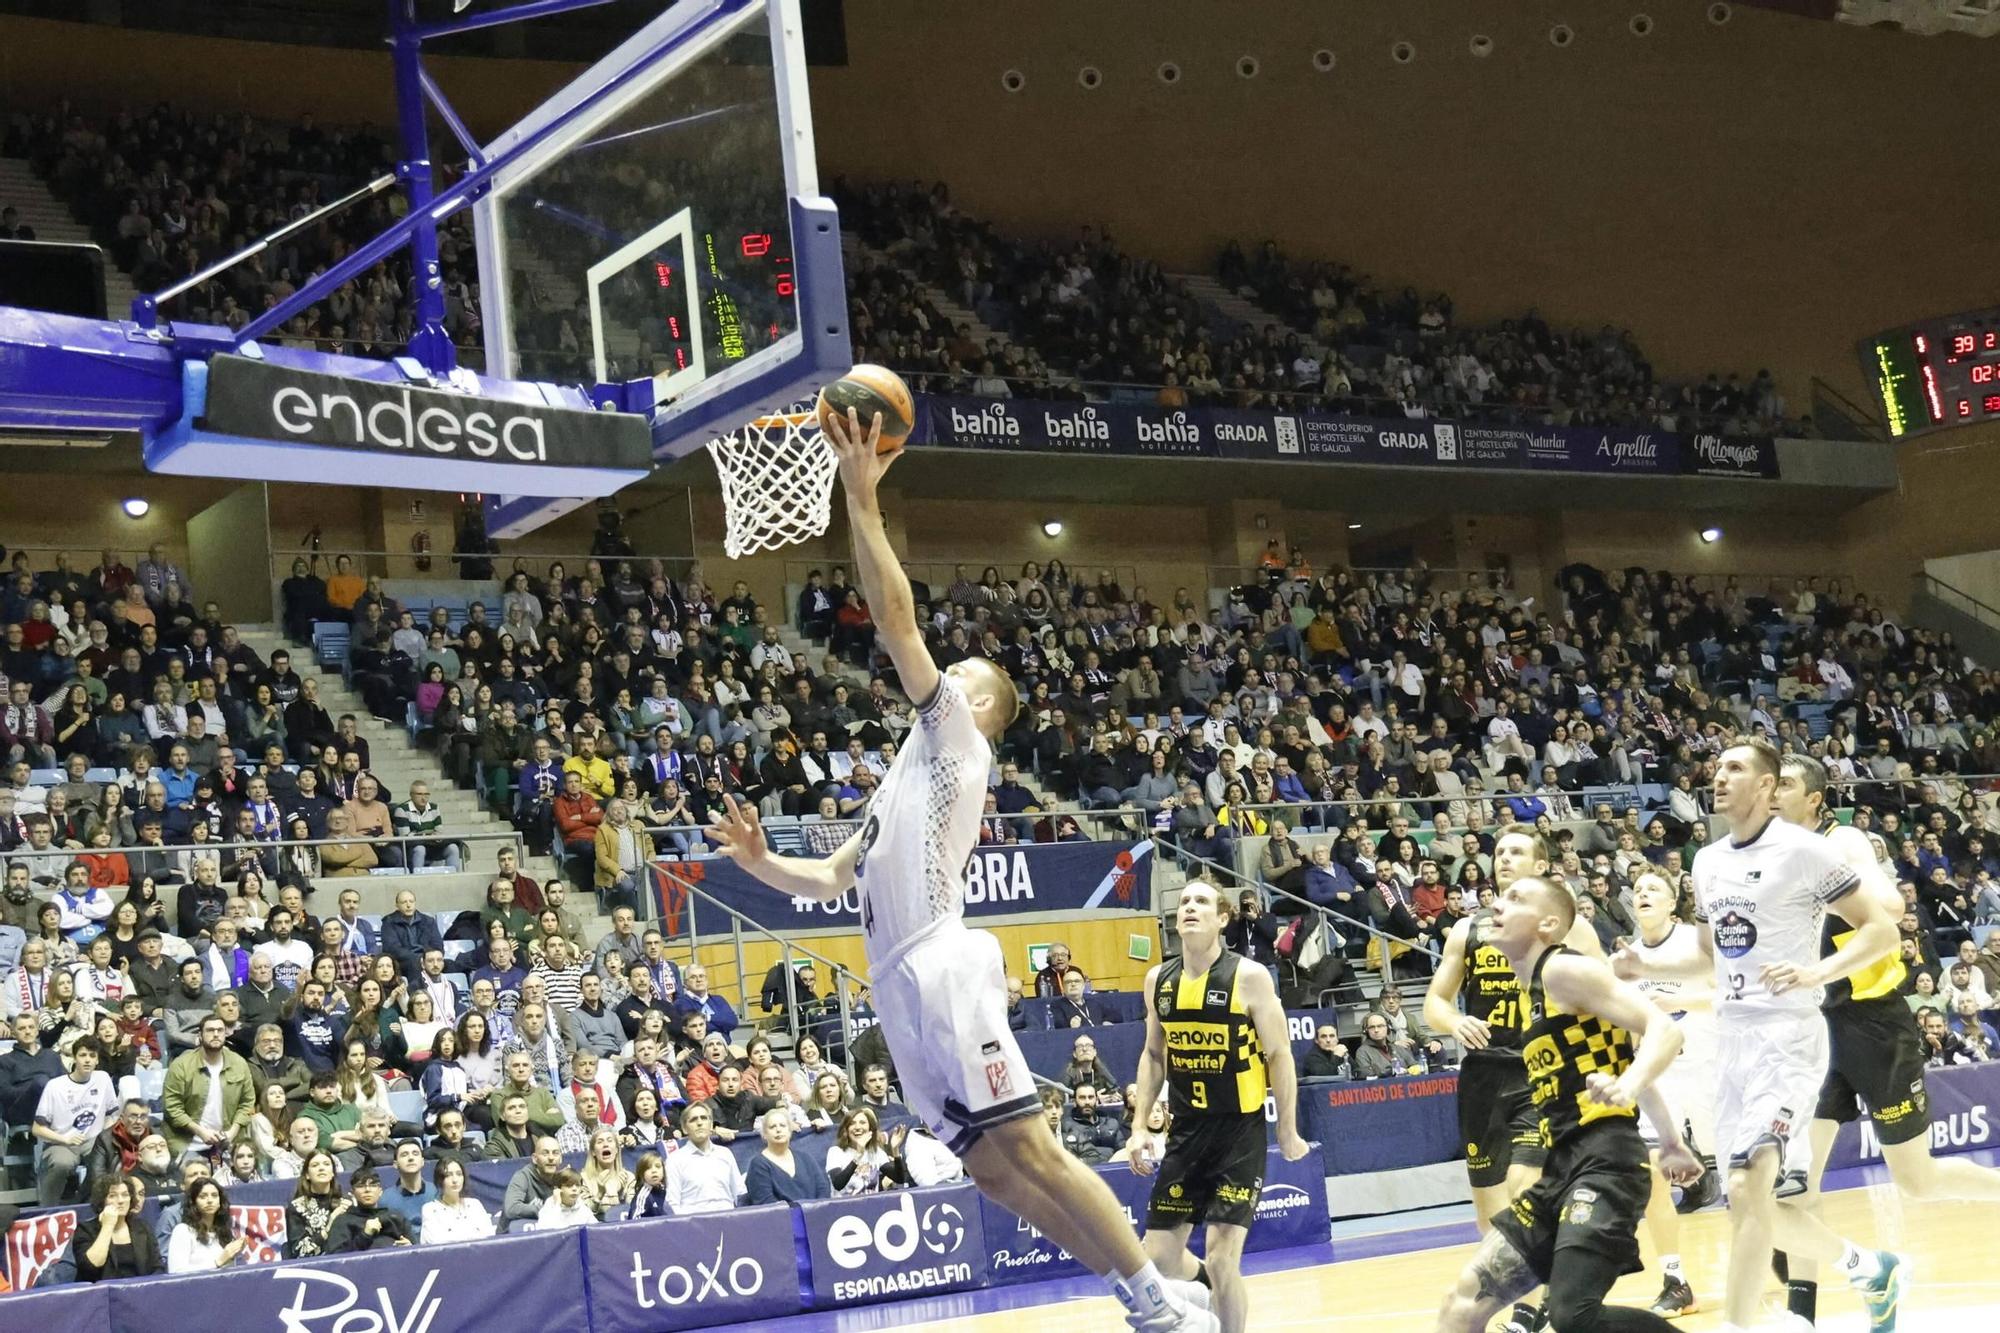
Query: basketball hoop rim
791,420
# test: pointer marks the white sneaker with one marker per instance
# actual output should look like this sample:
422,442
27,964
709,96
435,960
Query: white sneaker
1182,1319
1193,1293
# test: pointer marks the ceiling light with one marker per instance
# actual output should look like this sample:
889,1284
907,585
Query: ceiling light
1052,528
136,507
1354,527
1711,535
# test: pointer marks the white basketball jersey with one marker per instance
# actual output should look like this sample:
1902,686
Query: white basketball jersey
1765,901
1697,1023
923,825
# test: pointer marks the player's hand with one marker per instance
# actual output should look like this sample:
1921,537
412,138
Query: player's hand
1679,1164
853,446
1292,1146
1625,964
1781,977
1474,1034
1142,1161
1609,1091
736,834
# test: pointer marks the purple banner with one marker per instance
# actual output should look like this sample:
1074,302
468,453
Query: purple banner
1962,1116
77,1309
531,1281
1291,1211
883,1247
691,1272
999,881
1148,430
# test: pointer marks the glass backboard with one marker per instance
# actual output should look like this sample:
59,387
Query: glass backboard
653,237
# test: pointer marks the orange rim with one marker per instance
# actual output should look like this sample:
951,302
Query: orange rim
783,419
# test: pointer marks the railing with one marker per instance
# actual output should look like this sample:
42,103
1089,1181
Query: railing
789,949
275,847
1957,599
505,558
1839,417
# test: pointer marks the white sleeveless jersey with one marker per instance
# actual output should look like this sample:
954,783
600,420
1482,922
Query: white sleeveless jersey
922,826
1765,901
1859,852
1697,1023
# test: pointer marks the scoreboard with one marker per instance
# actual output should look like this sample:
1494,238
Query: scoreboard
1941,373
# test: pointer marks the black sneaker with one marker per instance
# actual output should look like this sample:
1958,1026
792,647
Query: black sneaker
1676,1299
1791,1184
1525,1319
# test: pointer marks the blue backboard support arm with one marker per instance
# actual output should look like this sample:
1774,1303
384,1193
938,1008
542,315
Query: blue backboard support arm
430,344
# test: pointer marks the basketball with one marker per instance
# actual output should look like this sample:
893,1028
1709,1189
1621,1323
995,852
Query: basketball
870,389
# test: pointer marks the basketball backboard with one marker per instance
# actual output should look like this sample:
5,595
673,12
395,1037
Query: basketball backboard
672,235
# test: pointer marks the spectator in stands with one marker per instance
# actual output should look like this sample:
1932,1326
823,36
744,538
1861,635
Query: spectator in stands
113,1242
1076,1008
1055,966
1086,1066
1090,1133
69,1114
1328,1055
1378,1056
622,851
864,1159
702,1177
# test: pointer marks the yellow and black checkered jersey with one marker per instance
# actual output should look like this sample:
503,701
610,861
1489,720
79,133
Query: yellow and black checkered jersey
1562,1051
1489,988
1215,1064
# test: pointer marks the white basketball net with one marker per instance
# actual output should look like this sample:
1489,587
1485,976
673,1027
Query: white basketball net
777,482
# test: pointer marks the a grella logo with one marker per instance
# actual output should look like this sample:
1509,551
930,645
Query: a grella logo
405,420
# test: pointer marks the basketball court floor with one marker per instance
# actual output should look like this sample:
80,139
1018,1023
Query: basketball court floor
1388,1277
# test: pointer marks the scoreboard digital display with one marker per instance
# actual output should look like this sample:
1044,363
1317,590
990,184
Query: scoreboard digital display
1941,373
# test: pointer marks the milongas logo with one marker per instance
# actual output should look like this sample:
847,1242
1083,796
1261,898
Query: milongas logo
260,401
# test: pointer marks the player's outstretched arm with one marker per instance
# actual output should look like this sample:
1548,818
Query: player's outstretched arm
1274,1034
883,583
738,836
1441,1011
1152,1073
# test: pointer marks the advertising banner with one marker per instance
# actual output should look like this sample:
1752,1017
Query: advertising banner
1291,1211
879,1247
33,1243
692,1272
75,1309
1000,881
1149,430
532,1281
1962,1099
1383,1124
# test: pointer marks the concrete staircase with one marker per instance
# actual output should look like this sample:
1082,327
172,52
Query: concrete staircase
21,188
1229,303
397,761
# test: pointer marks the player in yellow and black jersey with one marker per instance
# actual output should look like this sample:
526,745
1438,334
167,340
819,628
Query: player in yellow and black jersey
1475,997
1875,1056
1592,1046
1217,1037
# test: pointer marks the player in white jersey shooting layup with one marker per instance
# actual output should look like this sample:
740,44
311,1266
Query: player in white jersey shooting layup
939,987
1763,893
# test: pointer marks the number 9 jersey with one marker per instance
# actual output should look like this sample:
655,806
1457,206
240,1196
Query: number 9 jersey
1215,1064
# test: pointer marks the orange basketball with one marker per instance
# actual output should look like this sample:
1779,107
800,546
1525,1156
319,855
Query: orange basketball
868,390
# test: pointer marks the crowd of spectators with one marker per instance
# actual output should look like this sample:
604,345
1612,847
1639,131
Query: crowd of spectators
169,190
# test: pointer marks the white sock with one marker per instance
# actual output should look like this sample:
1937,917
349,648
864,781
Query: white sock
1858,1265
1672,1264
1143,1293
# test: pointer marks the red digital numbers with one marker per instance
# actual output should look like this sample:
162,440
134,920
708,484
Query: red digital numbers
1991,342
665,274
785,284
1987,374
674,325
680,358
1963,344
1965,407
756,245
1991,403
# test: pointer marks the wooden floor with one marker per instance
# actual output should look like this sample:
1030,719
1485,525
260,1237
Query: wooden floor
1954,1249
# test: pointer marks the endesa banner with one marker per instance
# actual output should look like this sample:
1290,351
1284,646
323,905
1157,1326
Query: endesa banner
1148,430
999,881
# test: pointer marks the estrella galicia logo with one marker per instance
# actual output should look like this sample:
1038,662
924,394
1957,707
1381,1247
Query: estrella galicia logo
1735,935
